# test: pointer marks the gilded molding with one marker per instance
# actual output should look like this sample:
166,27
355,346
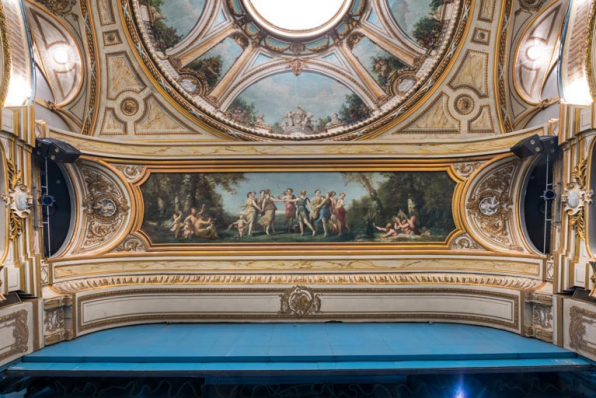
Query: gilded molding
576,197
18,200
505,282
20,333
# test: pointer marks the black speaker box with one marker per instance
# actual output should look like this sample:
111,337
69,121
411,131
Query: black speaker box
56,150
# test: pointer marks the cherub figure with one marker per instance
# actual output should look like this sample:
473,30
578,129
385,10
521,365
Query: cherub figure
240,225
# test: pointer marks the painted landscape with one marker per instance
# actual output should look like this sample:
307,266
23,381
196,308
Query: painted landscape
203,208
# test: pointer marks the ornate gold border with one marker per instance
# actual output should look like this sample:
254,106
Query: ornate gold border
304,166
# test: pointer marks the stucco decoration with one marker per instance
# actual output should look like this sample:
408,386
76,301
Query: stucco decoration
105,212
490,206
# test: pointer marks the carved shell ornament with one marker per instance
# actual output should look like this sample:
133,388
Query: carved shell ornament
576,197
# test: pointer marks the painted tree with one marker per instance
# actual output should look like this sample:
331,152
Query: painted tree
427,31
384,66
209,67
242,112
353,110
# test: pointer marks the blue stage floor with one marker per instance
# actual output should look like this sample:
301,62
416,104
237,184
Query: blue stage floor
284,349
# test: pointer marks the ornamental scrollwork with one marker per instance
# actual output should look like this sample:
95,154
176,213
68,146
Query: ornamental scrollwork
490,206
465,242
576,198
465,170
300,301
20,333
130,171
54,320
60,7
577,329
131,244
104,205
18,200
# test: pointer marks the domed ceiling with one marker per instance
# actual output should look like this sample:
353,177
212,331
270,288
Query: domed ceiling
298,69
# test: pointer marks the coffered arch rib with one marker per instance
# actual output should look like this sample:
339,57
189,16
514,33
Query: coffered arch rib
284,66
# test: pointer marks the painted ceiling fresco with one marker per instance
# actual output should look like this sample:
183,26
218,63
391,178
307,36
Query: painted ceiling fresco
263,84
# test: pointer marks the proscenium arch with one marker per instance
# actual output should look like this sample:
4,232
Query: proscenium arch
277,67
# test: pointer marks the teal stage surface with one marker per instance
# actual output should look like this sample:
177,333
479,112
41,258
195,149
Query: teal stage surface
232,350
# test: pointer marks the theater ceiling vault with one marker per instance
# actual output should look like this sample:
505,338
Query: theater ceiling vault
197,120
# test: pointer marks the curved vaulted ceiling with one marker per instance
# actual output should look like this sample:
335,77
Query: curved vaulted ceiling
365,61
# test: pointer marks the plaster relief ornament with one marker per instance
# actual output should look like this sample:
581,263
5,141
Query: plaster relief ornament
300,301
18,199
490,206
105,207
576,197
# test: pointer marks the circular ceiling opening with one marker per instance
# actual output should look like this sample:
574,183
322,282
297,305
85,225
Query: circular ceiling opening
297,18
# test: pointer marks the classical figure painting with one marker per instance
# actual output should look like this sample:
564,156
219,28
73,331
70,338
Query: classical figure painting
293,207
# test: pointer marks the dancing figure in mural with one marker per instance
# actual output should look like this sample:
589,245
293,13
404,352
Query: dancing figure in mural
268,209
252,209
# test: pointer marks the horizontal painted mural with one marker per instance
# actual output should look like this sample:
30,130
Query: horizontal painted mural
199,208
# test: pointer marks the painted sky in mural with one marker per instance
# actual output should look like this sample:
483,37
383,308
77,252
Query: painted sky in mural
277,95
181,15
408,12
201,208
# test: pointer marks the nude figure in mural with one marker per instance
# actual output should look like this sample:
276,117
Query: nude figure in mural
240,225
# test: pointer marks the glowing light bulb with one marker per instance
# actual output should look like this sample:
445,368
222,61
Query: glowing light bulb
19,91
535,52
61,55
578,93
